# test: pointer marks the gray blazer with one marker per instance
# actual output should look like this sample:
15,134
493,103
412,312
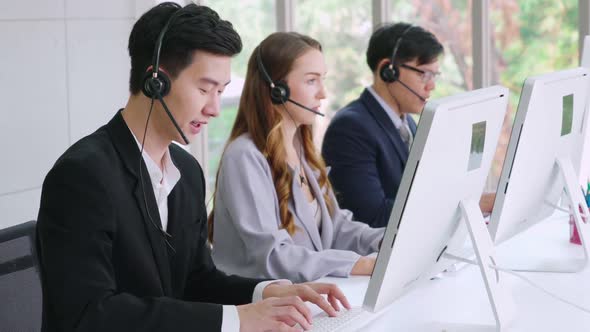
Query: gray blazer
248,239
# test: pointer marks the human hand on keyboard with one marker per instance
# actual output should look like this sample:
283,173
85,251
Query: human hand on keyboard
322,323
312,292
275,314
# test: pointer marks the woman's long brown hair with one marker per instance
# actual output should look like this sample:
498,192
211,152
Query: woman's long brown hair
258,117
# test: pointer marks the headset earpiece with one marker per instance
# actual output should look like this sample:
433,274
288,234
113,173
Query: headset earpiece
389,73
279,93
160,84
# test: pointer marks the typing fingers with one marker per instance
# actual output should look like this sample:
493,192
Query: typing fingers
330,290
309,294
293,308
334,302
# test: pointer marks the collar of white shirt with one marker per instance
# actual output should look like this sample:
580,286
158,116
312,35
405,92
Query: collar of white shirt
163,181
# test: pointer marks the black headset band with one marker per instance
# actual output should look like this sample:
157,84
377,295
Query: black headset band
160,40
398,43
265,74
279,91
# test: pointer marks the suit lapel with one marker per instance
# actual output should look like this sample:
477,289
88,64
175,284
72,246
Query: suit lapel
156,237
327,234
384,121
129,153
302,212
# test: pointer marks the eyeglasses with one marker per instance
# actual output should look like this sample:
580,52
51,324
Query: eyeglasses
425,75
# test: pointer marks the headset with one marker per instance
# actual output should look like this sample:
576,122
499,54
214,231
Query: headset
279,91
156,83
390,72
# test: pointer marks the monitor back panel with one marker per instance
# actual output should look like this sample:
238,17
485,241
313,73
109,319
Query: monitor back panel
548,125
449,162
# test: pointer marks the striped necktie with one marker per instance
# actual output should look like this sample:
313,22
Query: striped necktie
406,134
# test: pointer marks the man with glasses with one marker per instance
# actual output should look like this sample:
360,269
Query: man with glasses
368,141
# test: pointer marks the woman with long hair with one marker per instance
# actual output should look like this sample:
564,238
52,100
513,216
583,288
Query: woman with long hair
275,214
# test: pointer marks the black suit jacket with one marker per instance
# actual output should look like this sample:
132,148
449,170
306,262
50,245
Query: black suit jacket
367,157
105,266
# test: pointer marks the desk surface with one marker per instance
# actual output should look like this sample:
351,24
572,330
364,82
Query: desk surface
460,297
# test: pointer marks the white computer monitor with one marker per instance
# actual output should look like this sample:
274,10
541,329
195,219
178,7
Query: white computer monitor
585,160
440,189
543,161
543,157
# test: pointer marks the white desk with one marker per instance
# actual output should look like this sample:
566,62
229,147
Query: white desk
461,297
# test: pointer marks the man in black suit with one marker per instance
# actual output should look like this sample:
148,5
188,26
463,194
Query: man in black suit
122,224
367,143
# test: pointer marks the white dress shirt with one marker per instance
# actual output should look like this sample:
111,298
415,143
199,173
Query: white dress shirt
163,181
400,122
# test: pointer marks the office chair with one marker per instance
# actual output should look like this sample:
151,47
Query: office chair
20,286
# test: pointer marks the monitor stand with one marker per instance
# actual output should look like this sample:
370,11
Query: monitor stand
500,300
576,199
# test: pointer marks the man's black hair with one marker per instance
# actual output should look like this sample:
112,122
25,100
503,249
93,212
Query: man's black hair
197,28
417,44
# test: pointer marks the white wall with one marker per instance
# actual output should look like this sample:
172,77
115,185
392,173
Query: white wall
64,72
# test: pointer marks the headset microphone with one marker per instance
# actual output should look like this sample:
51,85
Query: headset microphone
159,97
412,91
306,108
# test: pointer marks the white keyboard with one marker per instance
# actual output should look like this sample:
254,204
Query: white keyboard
324,323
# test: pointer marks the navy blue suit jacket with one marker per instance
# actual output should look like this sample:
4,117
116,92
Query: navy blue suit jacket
367,158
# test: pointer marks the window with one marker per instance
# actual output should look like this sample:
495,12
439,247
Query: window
450,22
525,41
253,20
343,27
528,41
